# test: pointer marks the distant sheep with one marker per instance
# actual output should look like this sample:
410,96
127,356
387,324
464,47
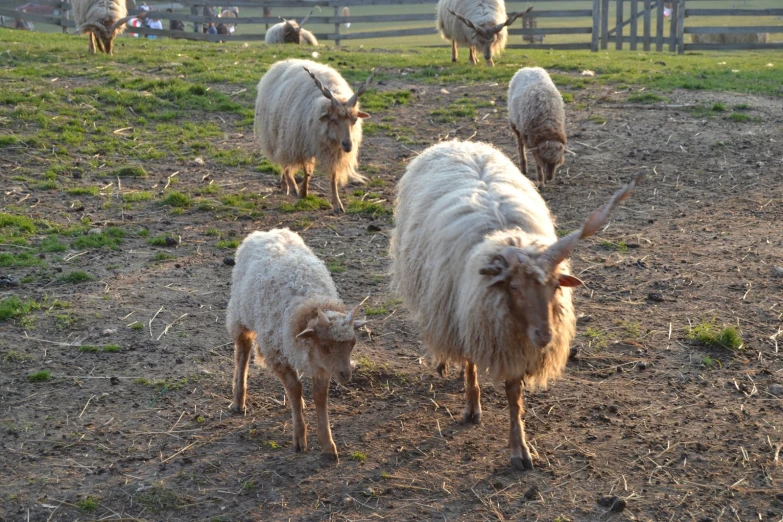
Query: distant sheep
476,259
288,31
537,116
730,38
302,119
232,12
475,23
103,20
284,301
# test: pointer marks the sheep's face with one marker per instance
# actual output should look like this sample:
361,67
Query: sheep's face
331,337
340,119
550,154
292,33
486,40
530,289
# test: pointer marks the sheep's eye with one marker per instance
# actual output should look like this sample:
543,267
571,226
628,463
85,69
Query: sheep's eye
514,287
325,348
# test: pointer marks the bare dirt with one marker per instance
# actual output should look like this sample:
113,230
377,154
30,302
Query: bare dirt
673,429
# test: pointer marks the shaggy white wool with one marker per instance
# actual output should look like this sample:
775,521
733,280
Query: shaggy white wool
459,204
288,124
535,106
276,34
99,11
277,286
487,13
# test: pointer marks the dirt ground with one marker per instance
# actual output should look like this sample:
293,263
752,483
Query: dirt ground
673,429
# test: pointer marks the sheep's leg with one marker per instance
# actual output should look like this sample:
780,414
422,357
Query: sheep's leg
320,395
472,411
243,344
473,59
288,182
454,53
109,46
337,205
520,454
293,389
305,186
541,176
520,150
92,43
99,44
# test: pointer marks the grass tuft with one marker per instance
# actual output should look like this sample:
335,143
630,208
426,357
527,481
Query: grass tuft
41,376
75,277
709,334
13,307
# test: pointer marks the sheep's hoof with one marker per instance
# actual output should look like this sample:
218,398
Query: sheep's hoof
471,417
522,463
338,209
331,455
443,369
300,447
237,408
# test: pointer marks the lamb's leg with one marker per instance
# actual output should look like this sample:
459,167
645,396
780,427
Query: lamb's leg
520,454
320,395
337,205
288,181
293,389
473,59
109,46
472,411
520,149
454,53
305,186
243,344
92,43
541,176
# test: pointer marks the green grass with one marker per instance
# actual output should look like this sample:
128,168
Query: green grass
710,334
177,200
308,203
358,456
336,267
20,259
738,116
109,348
598,338
163,240
133,197
645,97
41,376
83,191
228,243
719,107
618,246
111,237
162,256
88,504
14,308
129,171
75,277
357,206
380,310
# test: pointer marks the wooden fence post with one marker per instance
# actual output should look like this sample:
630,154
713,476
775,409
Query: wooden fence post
681,27
337,25
659,27
604,24
647,9
618,35
596,19
673,27
634,22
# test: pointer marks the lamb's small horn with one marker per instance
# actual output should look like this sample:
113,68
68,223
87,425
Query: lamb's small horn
324,89
353,99
557,252
511,19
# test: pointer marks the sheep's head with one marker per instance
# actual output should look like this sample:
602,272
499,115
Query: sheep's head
341,116
487,35
532,276
550,154
332,338
292,31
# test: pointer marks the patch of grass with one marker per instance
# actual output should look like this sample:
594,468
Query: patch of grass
598,338
268,166
163,240
19,259
88,504
645,97
598,119
567,97
83,191
618,246
358,206
137,326
308,203
452,113
47,185
111,237
719,107
18,225
12,356
7,140
133,197
374,100
177,200
358,456
271,444
228,243
159,498
162,256
738,116
742,107
710,361
708,333
51,244
109,348
89,349
41,376
336,266
212,231
380,310
75,277
129,171
632,329
14,308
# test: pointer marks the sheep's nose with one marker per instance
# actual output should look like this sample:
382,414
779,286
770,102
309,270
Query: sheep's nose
347,146
345,376
542,337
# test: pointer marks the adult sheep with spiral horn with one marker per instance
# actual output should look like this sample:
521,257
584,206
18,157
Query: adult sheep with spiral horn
103,20
307,112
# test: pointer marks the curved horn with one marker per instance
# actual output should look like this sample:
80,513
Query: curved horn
92,27
467,22
125,20
353,99
306,18
352,314
324,89
569,151
511,19
556,253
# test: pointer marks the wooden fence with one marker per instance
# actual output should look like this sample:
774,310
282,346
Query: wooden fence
632,22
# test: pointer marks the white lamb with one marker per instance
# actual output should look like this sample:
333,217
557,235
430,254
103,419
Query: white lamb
537,116
476,258
283,300
475,23
102,19
300,119
288,31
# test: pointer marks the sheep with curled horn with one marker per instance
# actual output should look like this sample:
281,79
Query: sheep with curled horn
476,24
103,20
476,259
300,120
288,31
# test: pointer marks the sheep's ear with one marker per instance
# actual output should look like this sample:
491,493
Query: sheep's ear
569,281
363,115
322,319
306,333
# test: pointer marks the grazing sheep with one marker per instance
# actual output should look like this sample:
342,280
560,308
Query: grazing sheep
300,120
476,259
103,20
232,12
730,38
288,31
537,116
175,25
475,23
283,300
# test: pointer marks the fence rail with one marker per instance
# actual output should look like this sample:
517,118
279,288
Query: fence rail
651,24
